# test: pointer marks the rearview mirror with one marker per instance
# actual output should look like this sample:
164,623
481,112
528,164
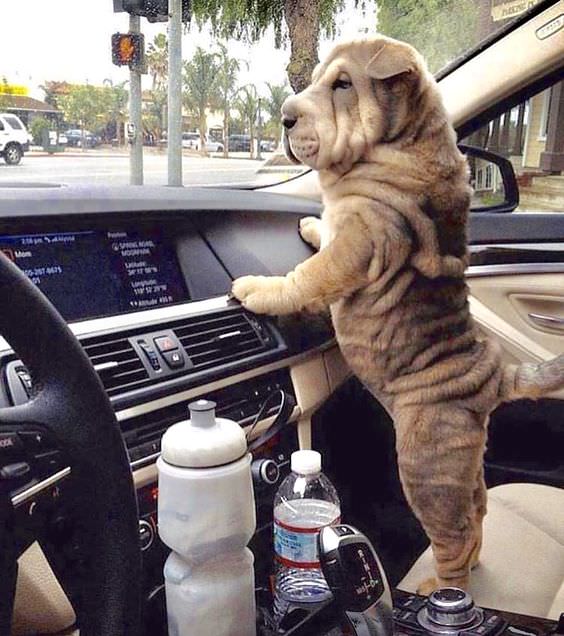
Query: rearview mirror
493,180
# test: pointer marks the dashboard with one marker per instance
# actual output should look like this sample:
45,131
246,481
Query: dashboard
142,276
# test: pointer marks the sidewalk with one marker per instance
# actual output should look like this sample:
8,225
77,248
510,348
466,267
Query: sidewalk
110,152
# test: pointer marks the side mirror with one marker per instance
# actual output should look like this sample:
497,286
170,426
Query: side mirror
493,179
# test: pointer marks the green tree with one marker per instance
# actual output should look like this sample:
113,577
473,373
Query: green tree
247,105
201,88
37,127
157,61
84,106
440,29
54,90
300,21
116,99
277,95
154,113
229,68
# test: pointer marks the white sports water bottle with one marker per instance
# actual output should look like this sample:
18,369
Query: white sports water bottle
207,517
306,501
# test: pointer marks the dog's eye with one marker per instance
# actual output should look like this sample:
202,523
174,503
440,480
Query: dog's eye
341,83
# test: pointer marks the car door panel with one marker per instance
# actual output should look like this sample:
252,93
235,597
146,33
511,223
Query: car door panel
512,300
516,278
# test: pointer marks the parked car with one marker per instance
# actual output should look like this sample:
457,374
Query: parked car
14,138
267,145
75,138
239,143
192,140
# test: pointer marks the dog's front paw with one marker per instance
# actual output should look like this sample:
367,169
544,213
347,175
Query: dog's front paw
310,230
263,294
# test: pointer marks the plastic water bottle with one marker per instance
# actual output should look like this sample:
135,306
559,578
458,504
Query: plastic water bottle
207,516
306,501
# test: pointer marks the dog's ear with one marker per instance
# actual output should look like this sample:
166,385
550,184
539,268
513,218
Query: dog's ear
390,61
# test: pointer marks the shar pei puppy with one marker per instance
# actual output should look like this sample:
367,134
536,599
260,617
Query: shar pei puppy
390,266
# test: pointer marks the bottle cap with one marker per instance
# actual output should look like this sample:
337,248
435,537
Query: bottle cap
203,441
305,462
202,413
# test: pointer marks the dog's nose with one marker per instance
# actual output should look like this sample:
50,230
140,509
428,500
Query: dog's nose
288,123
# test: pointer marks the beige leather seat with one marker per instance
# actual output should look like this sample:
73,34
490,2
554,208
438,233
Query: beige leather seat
522,564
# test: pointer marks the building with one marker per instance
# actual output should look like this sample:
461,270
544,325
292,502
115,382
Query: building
530,135
28,108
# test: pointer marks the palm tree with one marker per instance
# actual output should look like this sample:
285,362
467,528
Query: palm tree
229,68
201,88
116,98
278,93
247,105
157,61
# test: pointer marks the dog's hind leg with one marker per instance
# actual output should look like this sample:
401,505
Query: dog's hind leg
480,510
440,450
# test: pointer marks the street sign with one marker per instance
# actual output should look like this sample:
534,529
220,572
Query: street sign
130,131
128,49
506,9
13,89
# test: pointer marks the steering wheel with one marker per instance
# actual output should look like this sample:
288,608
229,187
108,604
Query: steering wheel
70,403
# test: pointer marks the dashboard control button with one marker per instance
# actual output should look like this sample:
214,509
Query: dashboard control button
25,379
146,535
412,603
15,471
265,472
151,355
174,359
165,343
9,442
36,441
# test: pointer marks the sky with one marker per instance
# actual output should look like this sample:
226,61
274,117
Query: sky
70,40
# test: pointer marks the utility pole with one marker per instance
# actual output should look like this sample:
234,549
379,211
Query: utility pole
259,131
175,94
136,144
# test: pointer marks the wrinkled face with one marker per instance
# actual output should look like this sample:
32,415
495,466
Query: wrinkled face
361,95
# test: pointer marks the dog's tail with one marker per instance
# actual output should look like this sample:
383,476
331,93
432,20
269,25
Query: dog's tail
532,380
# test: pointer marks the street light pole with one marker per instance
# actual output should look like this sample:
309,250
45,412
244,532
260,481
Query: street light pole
175,94
136,147
259,131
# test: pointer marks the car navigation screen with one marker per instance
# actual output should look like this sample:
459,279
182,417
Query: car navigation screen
95,273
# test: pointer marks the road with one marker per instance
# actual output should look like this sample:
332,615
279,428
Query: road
97,167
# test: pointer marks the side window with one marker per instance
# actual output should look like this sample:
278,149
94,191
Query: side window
1,125
531,136
14,122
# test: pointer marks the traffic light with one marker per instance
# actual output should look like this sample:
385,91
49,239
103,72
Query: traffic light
128,49
153,10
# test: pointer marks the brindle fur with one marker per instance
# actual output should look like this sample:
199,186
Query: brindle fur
391,268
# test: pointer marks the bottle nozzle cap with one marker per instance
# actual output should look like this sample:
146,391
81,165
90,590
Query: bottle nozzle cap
202,413
305,462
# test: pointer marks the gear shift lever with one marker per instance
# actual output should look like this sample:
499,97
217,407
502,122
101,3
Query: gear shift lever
356,579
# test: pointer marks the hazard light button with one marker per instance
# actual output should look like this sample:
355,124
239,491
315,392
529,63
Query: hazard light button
165,343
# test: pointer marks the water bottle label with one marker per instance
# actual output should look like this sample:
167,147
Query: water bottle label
297,547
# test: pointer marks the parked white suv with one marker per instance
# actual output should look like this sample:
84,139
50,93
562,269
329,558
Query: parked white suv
14,138
192,140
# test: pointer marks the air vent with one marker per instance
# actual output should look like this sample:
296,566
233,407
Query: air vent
218,339
117,364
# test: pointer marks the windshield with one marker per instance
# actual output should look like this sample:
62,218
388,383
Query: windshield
85,119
